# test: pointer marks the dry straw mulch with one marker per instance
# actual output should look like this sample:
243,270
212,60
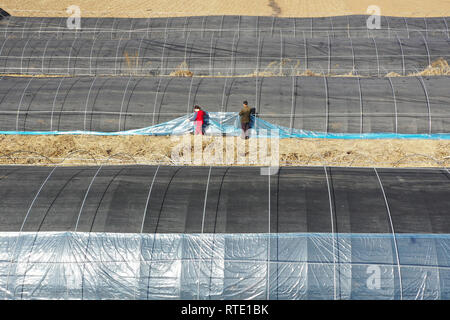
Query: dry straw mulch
92,150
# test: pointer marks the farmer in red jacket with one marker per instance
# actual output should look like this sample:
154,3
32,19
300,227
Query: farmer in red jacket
199,120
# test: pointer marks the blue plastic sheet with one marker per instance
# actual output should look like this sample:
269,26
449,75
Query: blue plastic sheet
77,265
228,123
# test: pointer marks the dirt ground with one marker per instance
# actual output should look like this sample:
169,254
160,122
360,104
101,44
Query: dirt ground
92,150
173,8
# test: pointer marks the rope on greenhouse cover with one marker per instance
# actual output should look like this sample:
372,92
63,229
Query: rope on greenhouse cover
258,92
426,26
54,102
211,68
295,27
329,53
395,104
95,28
156,99
23,29
360,105
139,51
326,103
112,27
393,233
239,27
446,26
162,98
332,231
214,230
185,46
206,198
20,103
353,54
281,52
35,197
123,100
426,46
90,56
117,55
232,55
203,27
221,26
162,54
149,19
223,93
306,51
85,196
389,28
428,102
131,28
75,63
43,56
40,28
185,24
258,54
188,106
6,30
291,125
148,199
332,27
26,112
23,52
406,24
348,27
403,56
272,26
166,26
311,27
87,103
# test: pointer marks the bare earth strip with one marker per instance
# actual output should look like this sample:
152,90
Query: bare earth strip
173,8
94,150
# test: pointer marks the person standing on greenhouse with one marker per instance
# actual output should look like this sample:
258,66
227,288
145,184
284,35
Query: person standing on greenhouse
244,114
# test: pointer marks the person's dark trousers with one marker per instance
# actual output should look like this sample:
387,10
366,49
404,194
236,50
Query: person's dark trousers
245,126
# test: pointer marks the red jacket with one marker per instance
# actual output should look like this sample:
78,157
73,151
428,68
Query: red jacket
199,116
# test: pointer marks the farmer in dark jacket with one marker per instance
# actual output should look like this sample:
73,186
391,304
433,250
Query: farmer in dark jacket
245,120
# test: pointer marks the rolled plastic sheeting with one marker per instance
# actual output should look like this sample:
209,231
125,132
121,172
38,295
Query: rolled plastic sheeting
70,265
177,199
211,27
224,57
412,105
